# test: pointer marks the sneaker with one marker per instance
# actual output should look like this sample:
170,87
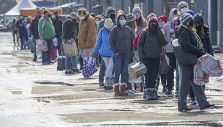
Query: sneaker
108,87
101,83
209,106
185,110
193,105
130,92
75,70
69,72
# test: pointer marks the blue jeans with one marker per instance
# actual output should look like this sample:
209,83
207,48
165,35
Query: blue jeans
121,62
102,70
71,63
46,54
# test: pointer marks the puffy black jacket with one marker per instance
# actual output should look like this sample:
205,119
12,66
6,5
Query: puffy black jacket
149,45
189,42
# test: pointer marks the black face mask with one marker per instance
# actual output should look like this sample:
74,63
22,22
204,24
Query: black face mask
48,15
112,16
153,27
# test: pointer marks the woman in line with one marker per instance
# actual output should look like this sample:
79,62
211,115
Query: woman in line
149,47
103,47
121,41
190,43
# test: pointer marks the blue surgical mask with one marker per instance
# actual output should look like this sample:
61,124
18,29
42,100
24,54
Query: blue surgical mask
122,22
161,24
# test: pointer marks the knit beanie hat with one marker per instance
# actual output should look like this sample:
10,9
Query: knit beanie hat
185,18
110,10
182,4
108,23
136,9
163,18
198,19
130,18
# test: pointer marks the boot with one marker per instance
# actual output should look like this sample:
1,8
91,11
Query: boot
108,85
122,89
116,89
164,88
35,58
154,95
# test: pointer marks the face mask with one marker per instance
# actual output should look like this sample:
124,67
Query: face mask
137,15
48,15
183,10
82,17
53,16
112,16
161,24
122,22
97,22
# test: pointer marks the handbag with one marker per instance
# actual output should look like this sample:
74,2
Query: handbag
41,45
89,66
70,48
165,64
183,57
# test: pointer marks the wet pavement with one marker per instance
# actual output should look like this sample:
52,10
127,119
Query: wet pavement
32,95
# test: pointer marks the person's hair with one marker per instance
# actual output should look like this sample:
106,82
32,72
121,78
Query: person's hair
93,15
82,11
141,20
132,25
200,31
98,17
45,12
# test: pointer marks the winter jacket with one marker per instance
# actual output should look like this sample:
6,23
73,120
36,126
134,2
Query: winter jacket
188,42
46,28
69,30
121,39
34,28
207,42
102,45
21,25
58,26
149,45
87,33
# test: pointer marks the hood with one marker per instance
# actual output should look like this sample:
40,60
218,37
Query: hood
171,15
110,10
118,18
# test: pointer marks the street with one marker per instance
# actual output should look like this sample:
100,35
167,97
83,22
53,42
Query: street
33,95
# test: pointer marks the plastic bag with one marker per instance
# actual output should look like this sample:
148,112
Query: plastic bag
41,45
89,64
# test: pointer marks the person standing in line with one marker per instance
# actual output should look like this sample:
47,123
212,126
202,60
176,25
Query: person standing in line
15,33
21,25
110,13
103,47
140,20
69,36
46,33
121,48
168,32
87,33
149,47
190,43
35,31
57,23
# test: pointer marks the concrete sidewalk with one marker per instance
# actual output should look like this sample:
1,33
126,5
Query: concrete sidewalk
32,95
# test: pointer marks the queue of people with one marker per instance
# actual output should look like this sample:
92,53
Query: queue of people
120,39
